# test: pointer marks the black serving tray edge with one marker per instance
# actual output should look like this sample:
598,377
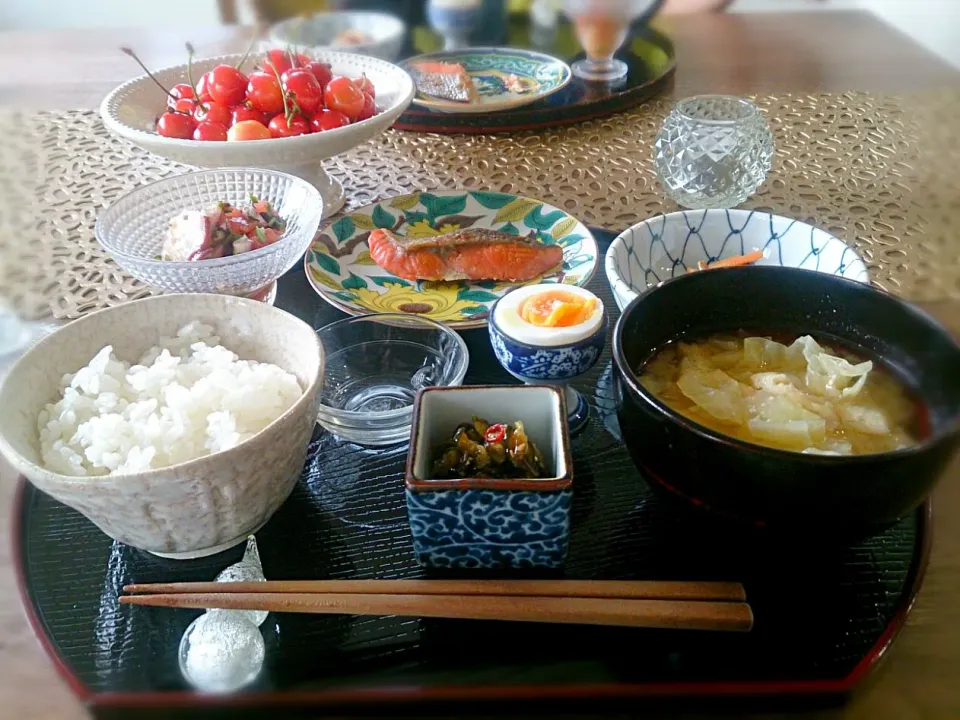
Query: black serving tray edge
402,698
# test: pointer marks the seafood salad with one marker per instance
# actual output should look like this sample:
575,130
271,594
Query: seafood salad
479,449
221,230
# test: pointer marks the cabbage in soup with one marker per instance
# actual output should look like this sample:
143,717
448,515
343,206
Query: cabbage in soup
801,397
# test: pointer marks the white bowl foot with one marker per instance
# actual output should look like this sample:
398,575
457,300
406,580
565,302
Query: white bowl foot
206,552
330,188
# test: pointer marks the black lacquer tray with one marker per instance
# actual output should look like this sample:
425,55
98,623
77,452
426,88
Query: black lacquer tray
825,614
649,55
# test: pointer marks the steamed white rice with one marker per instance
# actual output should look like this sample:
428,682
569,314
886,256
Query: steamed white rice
184,399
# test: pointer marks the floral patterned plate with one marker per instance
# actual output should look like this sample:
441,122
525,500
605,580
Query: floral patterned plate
537,74
340,269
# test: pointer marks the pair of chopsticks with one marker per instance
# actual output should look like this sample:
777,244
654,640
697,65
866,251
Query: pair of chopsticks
634,603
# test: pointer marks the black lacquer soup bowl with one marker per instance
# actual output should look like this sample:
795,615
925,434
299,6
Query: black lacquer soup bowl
775,488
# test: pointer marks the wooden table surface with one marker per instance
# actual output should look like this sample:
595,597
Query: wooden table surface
743,54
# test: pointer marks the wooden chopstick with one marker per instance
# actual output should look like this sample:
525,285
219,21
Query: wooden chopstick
632,589
674,614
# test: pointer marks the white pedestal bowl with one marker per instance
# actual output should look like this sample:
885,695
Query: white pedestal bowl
130,111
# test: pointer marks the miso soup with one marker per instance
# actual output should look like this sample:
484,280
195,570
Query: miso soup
798,396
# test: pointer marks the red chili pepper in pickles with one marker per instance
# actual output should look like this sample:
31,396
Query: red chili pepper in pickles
496,433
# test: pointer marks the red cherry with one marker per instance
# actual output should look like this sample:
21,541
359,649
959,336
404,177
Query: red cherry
214,112
176,125
185,106
321,71
343,95
227,85
210,131
203,88
264,93
369,108
248,130
281,128
304,88
278,60
328,120
180,91
366,86
300,60
245,112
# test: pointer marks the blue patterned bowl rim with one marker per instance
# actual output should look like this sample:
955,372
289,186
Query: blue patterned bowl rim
622,288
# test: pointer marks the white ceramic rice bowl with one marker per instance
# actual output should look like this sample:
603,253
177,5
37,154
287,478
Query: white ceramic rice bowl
195,508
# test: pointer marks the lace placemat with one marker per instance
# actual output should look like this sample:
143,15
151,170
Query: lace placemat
881,172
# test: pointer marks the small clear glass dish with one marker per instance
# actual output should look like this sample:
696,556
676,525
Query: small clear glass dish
133,228
375,365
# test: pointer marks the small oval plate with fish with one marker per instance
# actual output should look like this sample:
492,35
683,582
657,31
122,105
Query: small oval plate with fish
448,255
483,80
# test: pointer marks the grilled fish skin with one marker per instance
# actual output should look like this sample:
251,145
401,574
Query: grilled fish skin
444,81
472,254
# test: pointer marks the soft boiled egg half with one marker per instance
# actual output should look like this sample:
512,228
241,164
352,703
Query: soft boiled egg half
549,314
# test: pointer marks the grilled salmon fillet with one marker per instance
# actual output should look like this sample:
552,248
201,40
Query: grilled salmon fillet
444,81
473,254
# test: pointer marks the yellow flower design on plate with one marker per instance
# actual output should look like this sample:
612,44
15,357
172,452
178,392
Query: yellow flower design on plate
437,301
422,229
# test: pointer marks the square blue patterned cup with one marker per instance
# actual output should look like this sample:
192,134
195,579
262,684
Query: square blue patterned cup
488,522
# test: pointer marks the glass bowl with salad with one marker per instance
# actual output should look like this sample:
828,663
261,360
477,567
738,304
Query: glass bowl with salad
231,231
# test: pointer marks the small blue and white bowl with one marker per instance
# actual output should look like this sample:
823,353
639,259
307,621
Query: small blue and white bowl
487,522
551,356
665,246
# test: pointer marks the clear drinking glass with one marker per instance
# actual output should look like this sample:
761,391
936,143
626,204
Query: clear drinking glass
16,335
601,27
713,151
13,332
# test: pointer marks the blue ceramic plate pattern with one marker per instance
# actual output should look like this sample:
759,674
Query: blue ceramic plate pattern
662,247
489,68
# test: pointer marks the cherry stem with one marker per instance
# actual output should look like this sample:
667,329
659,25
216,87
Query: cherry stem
253,41
131,53
193,87
283,94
